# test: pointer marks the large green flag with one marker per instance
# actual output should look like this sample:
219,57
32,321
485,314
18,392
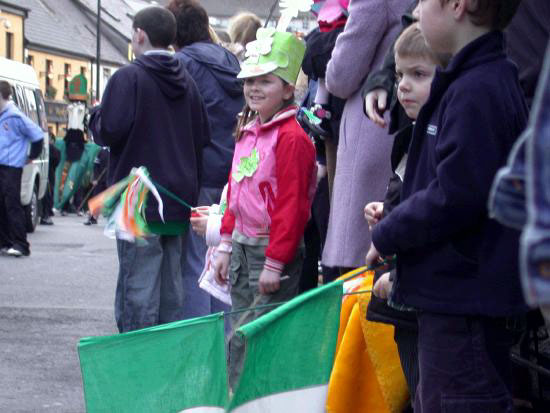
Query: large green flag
175,367
289,355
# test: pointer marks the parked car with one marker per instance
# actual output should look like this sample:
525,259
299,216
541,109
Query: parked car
28,97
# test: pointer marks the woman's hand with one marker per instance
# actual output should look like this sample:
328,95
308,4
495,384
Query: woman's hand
375,106
373,213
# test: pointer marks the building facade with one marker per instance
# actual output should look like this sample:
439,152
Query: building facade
60,43
12,26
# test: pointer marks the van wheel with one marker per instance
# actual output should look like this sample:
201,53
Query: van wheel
31,212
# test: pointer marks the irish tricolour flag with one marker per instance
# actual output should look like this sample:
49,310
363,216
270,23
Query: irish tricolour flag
181,366
175,367
289,355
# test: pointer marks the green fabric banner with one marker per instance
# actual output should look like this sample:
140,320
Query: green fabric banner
175,367
289,355
79,173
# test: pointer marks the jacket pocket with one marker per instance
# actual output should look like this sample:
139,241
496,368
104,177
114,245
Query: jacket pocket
454,263
234,268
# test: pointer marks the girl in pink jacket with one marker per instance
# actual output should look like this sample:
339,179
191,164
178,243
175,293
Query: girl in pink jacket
271,186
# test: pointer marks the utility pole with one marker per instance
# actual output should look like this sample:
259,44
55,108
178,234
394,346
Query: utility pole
98,50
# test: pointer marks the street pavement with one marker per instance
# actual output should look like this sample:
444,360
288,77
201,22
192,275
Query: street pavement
64,291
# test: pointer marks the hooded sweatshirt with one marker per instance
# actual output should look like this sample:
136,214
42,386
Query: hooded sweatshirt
152,115
214,69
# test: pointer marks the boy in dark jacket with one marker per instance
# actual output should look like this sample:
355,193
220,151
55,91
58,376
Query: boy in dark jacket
152,115
455,265
415,66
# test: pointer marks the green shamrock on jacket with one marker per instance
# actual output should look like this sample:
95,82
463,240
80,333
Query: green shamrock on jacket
247,166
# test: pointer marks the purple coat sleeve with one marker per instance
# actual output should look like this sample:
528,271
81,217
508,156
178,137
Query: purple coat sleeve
353,55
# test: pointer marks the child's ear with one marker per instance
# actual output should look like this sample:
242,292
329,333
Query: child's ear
460,7
142,36
288,91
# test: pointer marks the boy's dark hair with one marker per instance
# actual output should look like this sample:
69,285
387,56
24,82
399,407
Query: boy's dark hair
192,22
158,23
5,89
495,14
411,43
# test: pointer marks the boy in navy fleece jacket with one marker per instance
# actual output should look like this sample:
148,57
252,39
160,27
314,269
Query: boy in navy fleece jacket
152,115
457,267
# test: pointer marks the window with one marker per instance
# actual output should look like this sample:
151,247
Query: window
51,91
41,109
21,99
33,108
106,75
13,96
30,60
67,76
9,45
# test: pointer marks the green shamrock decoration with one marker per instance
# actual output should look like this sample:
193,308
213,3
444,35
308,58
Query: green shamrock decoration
247,166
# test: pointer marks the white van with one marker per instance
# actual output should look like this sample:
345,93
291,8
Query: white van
27,96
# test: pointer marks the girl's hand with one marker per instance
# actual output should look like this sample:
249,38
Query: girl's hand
269,281
375,106
199,225
373,213
221,267
382,287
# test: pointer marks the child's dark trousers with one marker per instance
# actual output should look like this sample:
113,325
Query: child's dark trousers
464,364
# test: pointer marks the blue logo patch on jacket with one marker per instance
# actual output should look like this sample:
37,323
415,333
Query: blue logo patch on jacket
432,130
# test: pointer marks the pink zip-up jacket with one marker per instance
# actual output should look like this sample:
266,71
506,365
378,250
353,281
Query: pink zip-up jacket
275,201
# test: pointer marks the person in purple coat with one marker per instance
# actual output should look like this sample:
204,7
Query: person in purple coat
362,167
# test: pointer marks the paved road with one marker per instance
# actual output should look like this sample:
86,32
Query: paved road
48,301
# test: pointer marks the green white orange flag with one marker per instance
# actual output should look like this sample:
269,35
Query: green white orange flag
289,355
175,367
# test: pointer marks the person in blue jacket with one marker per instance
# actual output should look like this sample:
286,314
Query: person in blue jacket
16,132
455,265
214,70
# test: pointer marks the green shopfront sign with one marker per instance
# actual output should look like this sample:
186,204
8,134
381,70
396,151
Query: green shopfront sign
78,88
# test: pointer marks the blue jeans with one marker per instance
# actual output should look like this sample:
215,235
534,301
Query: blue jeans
520,196
198,302
535,240
149,289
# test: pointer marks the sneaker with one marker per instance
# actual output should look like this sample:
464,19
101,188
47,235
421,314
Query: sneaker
13,252
46,221
4,250
90,221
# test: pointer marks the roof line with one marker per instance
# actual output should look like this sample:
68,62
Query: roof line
9,6
103,21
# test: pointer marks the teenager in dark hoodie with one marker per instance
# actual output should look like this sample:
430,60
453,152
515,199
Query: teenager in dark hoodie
214,70
455,265
152,115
